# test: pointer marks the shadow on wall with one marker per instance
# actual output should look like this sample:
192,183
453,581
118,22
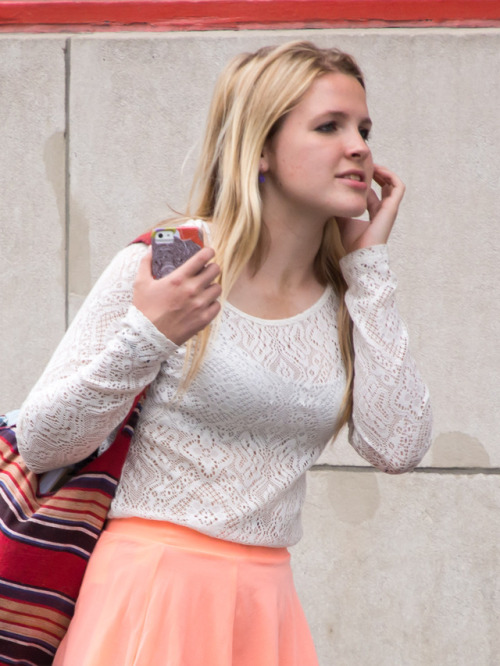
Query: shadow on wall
456,449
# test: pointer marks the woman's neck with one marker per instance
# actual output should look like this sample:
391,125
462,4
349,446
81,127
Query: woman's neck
292,241
285,283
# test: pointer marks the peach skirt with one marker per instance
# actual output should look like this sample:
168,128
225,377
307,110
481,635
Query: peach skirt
158,594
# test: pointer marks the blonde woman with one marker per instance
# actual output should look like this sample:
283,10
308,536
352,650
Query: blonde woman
256,352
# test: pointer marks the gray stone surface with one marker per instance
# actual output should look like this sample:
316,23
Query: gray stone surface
401,570
32,209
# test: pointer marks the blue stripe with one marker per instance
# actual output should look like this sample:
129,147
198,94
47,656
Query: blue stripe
42,517
43,597
82,551
68,522
17,662
35,643
106,485
9,436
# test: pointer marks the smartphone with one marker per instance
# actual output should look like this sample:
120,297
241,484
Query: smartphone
172,246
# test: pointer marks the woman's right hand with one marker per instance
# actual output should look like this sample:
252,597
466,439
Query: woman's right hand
182,303
355,233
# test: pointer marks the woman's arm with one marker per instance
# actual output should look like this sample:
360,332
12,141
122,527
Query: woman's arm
110,353
391,419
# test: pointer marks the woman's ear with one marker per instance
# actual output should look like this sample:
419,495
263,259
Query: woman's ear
264,159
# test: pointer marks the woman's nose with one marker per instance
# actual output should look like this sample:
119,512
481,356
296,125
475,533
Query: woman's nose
357,147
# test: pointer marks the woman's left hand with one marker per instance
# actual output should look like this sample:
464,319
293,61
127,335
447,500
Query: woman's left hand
356,234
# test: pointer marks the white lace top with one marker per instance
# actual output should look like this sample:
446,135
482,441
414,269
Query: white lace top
229,457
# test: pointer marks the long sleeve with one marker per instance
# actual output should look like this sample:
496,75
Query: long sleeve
109,354
391,420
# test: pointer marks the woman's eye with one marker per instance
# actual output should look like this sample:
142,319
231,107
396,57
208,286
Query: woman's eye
365,133
327,127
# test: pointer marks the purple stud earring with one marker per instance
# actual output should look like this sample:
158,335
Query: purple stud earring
262,178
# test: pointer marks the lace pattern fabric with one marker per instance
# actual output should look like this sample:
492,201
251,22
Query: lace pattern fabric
228,457
391,421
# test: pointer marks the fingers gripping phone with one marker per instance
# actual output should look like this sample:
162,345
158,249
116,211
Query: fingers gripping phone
172,246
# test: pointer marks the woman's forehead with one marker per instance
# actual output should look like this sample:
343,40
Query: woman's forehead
333,92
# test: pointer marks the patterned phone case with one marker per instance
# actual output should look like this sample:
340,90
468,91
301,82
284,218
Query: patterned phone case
172,246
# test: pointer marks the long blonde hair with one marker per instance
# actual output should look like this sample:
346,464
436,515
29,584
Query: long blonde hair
252,97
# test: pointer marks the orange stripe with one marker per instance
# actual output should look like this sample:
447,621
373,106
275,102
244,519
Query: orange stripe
16,479
36,621
69,500
22,488
32,632
71,513
55,617
61,507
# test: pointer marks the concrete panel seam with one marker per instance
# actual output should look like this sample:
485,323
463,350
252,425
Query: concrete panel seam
467,471
67,177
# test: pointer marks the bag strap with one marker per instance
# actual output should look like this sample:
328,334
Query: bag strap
143,238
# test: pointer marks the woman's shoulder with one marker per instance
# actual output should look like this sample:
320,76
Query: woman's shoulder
204,225
123,266
119,275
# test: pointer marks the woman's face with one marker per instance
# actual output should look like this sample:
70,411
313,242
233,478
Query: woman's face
318,162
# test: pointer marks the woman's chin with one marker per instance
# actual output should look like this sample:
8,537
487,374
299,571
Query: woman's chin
354,211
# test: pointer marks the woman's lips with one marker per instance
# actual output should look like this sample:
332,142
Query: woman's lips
355,179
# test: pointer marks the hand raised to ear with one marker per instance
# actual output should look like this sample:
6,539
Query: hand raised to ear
382,213
182,303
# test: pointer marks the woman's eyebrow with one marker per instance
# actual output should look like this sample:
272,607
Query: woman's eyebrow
342,115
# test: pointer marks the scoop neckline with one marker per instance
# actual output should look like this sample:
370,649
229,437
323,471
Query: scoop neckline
286,320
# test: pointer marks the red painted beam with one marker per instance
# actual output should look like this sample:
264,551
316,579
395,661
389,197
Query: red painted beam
78,15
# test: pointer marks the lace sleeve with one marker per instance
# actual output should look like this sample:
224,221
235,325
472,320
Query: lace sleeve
109,354
391,420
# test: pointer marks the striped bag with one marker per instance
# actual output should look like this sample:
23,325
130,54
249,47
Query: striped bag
46,539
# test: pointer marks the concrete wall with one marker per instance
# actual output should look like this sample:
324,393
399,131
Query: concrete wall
98,136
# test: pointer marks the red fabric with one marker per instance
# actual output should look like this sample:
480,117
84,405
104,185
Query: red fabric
45,543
